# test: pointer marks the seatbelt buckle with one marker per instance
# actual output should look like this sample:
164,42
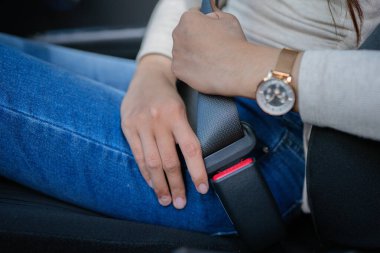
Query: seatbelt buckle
245,194
249,204
231,154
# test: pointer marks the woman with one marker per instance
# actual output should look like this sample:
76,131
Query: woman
60,129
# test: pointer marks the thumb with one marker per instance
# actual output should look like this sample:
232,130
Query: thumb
214,15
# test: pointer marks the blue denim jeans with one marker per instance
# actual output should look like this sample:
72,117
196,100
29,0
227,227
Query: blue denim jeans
60,134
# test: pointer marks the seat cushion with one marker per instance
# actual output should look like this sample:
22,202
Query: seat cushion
33,222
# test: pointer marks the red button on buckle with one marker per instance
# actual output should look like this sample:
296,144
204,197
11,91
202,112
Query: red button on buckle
233,169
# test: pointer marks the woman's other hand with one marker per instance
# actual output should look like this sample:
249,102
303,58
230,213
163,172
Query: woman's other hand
205,48
212,55
153,121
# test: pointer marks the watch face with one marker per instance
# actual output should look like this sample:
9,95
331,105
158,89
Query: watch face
275,97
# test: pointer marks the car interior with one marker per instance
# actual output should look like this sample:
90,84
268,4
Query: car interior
342,170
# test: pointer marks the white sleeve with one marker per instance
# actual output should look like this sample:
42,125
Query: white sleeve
341,90
165,17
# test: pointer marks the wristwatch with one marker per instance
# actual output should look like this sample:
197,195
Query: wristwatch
274,94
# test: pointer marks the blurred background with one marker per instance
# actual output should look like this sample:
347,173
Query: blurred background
113,27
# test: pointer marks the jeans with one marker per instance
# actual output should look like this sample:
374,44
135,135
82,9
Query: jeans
60,134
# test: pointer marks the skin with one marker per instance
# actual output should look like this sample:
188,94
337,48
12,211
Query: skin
154,119
226,55
153,115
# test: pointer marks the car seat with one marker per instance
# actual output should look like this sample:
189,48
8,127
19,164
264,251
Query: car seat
33,222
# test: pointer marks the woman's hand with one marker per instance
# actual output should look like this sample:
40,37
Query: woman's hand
212,55
153,121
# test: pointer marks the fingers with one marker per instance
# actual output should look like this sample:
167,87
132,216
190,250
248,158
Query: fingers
161,159
153,141
191,150
216,14
172,168
154,167
213,5
155,159
158,161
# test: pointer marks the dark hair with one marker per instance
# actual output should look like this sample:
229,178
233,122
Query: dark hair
357,15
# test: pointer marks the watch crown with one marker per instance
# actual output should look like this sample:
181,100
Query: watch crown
269,76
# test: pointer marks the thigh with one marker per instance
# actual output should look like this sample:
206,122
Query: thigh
113,71
60,134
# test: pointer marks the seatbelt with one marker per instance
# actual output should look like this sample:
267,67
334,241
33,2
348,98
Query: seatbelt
226,142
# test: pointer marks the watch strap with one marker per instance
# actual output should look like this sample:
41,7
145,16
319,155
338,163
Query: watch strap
286,61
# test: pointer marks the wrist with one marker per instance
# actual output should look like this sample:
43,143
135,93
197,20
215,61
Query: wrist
157,65
258,62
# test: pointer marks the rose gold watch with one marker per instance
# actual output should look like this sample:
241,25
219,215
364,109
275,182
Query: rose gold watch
274,94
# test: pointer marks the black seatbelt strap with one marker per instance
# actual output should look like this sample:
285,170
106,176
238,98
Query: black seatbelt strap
225,143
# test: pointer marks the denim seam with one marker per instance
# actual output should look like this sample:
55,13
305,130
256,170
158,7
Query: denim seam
291,147
279,144
67,130
300,158
281,141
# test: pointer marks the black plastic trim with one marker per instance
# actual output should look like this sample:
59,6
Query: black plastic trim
231,153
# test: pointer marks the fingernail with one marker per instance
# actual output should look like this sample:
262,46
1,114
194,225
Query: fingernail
203,188
150,183
179,203
164,201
